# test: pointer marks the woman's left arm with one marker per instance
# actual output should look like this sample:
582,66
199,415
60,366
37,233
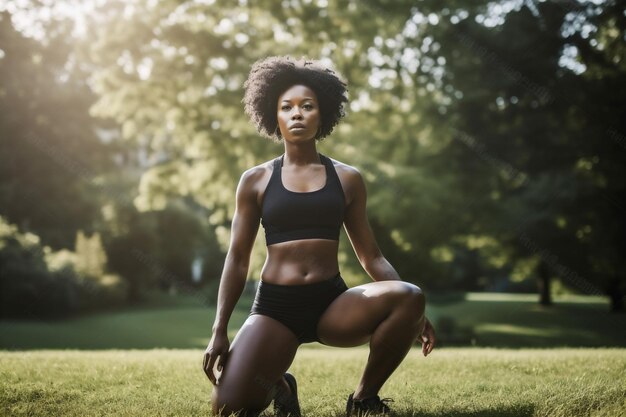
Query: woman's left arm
367,251
360,233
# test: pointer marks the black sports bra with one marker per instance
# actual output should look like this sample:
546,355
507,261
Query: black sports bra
291,215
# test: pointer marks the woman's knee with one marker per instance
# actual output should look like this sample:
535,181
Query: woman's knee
412,299
221,405
260,354
224,404
406,291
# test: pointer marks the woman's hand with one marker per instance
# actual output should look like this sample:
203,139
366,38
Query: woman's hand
218,347
427,338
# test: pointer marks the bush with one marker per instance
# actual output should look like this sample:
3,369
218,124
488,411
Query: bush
27,287
93,292
156,249
37,283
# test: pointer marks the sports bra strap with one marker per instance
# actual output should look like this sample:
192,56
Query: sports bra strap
290,215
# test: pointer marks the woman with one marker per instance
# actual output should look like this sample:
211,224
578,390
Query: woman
302,198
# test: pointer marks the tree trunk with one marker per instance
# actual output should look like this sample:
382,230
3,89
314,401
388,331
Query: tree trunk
134,292
616,296
545,295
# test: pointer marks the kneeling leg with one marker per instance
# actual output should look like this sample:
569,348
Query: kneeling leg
260,354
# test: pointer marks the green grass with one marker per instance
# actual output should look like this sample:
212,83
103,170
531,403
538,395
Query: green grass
458,382
184,322
162,321
517,320
107,364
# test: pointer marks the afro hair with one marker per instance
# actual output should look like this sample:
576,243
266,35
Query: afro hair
271,76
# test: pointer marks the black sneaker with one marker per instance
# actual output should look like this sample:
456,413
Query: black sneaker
367,407
286,404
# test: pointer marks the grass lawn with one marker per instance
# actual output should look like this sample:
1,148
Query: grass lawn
458,382
486,320
517,320
146,361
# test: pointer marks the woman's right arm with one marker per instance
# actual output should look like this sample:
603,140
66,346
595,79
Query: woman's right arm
244,228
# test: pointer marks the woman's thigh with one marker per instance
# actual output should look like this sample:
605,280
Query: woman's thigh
259,355
352,317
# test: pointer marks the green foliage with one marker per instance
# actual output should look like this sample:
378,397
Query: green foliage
50,157
156,248
184,235
540,161
38,283
492,122
90,256
136,235
28,289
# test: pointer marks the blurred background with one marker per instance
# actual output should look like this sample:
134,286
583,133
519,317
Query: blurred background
491,134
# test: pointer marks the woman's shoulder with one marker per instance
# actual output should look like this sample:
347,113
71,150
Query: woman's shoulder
258,173
349,176
343,169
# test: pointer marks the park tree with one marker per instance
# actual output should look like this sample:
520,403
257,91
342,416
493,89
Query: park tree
172,76
536,95
489,133
460,108
62,172
50,156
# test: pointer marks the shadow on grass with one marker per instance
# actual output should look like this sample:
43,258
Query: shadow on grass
516,321
503,411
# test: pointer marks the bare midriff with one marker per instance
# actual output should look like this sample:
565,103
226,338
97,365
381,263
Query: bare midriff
298,262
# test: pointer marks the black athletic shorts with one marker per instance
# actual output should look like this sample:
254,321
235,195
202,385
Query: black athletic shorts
299,307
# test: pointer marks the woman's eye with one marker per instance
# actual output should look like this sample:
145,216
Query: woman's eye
285,108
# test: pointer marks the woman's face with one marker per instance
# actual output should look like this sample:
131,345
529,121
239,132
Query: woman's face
298,106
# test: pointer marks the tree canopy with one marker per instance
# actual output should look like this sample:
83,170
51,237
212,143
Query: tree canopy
490,133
